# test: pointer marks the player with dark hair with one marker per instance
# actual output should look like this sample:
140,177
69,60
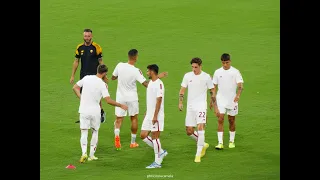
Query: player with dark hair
89,54
127,75
229,82
198,82
154,119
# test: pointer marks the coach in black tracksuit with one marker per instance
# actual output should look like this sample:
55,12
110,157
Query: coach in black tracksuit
90,55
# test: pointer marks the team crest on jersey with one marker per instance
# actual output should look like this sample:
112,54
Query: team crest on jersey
91,51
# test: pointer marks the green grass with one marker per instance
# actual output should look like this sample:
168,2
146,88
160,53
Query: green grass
169,33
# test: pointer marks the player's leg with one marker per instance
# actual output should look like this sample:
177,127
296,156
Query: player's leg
190,123
158,156
117,126
145,131
95,126
201,119
134,129
84,126
232,125
120,114
103,114
133,111
222,111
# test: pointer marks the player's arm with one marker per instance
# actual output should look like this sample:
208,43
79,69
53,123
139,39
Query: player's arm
184,85
76,88
98,53
213,100
112,102
211,88
161,75
213,92
239,81
239,89
146,82
158,103
141,79
115,73
106,96
75,65
181,94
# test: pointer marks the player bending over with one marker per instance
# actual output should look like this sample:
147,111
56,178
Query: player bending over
93,90
197,82
127,75
227,79
154,118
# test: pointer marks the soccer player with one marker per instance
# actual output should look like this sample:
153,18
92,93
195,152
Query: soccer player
127,75
93,90
154,118
90,55
227,79
198,82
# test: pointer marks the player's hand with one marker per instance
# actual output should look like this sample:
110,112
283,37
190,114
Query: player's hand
236,99
124,107
163,74
71,79
154,120
180,106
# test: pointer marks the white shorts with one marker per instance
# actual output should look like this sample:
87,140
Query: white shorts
148,126
88,121
133,109
230,112
195,117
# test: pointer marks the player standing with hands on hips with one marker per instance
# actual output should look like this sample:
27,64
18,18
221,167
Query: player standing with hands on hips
227,79
198,82
93,90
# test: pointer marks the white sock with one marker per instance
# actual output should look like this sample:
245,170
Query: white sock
133,138
194,136
200,142
232,135
93,143
116,132
148,140
84,141
157,148
220,137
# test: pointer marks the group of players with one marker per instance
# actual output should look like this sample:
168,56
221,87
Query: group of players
92,86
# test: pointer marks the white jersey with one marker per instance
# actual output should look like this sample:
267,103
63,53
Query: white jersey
198,86
227,81
155,89
127,76
93,89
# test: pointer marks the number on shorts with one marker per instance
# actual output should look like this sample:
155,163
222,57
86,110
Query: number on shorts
202,114
235,108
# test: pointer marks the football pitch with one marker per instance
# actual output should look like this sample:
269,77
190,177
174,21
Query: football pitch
168,33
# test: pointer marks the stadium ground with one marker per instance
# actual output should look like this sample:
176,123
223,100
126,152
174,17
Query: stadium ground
168,33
